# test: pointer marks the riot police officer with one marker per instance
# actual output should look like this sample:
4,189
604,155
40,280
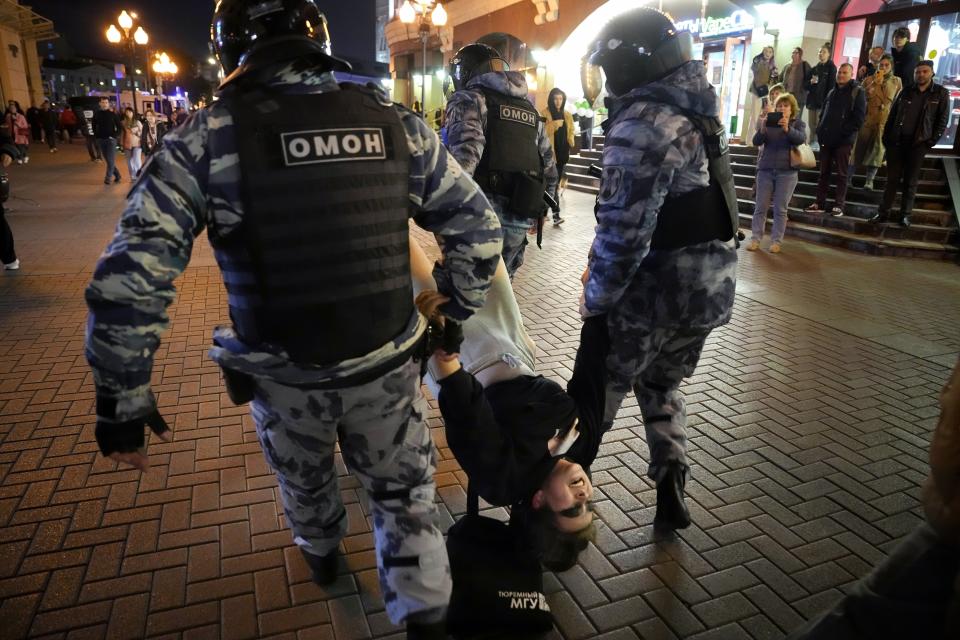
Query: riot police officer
305,188
663,263
497,136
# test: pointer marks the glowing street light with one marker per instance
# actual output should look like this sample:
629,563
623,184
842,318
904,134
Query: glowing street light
129,41
426,21
163,67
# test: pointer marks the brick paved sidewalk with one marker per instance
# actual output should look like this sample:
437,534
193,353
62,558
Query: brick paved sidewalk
810,417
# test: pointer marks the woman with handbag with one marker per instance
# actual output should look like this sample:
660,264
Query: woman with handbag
881,89
776,176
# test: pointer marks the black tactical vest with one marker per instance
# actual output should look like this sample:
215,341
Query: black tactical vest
708,213
510,165
320,265
705,214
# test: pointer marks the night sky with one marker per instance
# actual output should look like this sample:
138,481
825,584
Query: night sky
185,24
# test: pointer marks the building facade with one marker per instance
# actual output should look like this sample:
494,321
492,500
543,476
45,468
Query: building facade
20,31
547,40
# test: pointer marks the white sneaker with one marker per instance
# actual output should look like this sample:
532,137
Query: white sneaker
19,160
26,160
13,266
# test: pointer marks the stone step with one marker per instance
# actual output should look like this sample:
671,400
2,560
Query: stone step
848,232
935,189
872,245
933,162
850,222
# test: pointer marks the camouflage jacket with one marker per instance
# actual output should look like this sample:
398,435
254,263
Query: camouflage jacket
653,151
467,121
172,204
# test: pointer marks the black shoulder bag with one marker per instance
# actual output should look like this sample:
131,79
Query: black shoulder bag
497,579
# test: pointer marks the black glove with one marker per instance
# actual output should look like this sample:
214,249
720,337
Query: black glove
452,337
124,437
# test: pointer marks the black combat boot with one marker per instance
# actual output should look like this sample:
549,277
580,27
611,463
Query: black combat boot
671,511
324,568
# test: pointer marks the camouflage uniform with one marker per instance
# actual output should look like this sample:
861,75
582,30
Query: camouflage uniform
661,305
466,122
193,182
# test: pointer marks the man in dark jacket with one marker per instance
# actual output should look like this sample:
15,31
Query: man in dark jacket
822,80
906,55
49,119
33,119
917,120
843,113
106,129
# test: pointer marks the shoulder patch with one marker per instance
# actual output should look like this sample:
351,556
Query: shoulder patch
318,146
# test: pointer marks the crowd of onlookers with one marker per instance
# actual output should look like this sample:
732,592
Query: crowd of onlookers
889,111
105,131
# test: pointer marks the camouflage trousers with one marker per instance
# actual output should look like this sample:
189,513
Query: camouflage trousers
385,443
514,234
653,361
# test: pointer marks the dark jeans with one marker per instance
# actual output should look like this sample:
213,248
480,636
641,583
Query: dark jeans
7,254
833,160
911,594
51,137
108,148
903,169
93,148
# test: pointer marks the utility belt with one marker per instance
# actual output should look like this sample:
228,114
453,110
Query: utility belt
241,386
524,190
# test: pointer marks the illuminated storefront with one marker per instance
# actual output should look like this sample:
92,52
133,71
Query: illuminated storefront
934,26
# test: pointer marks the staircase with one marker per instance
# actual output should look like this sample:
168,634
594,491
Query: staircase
933,234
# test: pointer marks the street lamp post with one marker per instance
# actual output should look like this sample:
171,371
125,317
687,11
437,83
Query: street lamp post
426,21
129,38
163,66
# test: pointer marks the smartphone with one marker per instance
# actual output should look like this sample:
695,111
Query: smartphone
773,119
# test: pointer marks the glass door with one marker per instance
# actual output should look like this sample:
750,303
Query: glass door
943,47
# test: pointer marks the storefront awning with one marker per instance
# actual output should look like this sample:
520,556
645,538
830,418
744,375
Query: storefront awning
25,21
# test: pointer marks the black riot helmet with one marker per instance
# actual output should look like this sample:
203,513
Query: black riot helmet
638,47
473,60
270,31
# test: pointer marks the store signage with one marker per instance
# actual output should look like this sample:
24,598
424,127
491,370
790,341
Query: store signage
739,20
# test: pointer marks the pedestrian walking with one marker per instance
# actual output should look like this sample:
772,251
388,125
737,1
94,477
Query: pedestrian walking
106,129
844,112
916,123
663,265
69,123
795,77
33,119
131,131
19,130
8,153
776,178
881,88
905,56
763,71
560,133
496,135
49,119
325,336
85,122
823,78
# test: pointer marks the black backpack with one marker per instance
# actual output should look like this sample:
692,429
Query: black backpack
497,579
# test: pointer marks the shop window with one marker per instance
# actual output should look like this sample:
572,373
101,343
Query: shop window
883,33
849,42
943,47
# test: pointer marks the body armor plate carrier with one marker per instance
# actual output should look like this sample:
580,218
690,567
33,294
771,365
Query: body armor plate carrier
511,165
320,265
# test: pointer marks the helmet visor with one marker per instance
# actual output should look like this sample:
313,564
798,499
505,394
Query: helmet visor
592,80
